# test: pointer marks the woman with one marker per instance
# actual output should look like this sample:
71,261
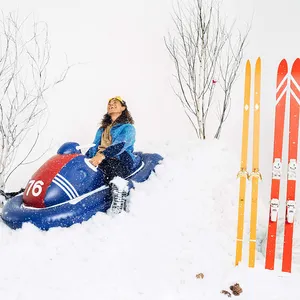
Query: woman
114,146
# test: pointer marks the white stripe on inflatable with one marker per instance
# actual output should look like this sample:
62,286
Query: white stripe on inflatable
139,169
92,167
63,188
79,147
68,183
78,199
72,201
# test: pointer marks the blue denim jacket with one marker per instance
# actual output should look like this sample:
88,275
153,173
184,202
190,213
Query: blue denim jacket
122,147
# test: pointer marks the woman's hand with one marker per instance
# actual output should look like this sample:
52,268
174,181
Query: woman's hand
97,159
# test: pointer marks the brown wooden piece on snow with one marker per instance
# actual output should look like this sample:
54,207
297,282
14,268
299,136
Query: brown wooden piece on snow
200,276
236,289
226,293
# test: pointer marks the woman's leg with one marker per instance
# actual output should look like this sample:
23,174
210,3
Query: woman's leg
111,168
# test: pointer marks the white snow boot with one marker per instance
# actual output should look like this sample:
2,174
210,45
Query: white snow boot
119,193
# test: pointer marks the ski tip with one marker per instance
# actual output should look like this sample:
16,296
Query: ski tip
258,64
283,66
283,63
248,69
296,64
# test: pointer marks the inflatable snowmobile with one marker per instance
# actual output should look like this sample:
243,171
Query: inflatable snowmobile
67,189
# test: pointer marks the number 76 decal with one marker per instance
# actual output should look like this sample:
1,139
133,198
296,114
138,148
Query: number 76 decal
35,187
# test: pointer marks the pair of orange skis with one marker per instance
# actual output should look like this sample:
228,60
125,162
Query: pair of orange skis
287,84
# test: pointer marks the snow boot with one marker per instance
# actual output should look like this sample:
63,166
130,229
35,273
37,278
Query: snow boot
119,193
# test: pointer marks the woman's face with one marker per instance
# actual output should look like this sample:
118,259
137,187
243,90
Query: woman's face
115,107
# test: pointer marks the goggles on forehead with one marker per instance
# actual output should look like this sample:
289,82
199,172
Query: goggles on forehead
117,98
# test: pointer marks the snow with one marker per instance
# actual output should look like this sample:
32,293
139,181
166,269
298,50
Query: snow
183,219
121,183
179,225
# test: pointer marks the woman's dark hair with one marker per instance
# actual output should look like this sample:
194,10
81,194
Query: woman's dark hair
124,118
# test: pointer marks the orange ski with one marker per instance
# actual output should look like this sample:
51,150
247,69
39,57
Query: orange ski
255,175
292,166
243,174
281,92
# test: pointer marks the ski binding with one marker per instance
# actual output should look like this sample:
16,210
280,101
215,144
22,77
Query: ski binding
243,173
276,172
291,209
292,170
255,174
274,209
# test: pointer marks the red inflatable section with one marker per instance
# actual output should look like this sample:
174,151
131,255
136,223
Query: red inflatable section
37,186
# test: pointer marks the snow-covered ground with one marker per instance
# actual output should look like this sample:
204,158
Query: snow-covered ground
182,222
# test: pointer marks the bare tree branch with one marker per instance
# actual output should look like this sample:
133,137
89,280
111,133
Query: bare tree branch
23,83
228,73
196,48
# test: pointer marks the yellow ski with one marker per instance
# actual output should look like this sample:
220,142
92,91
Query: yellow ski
255,175
243,175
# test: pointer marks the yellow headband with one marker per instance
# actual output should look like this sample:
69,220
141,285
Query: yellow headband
116,98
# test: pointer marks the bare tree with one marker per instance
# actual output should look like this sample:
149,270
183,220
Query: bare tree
23,83
196,49
229,67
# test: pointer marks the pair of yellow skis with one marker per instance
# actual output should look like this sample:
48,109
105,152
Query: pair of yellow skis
243,174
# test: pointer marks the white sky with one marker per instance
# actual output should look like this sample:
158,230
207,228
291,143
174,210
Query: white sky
121,50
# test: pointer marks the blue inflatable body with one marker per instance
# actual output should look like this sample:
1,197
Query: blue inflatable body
67,189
